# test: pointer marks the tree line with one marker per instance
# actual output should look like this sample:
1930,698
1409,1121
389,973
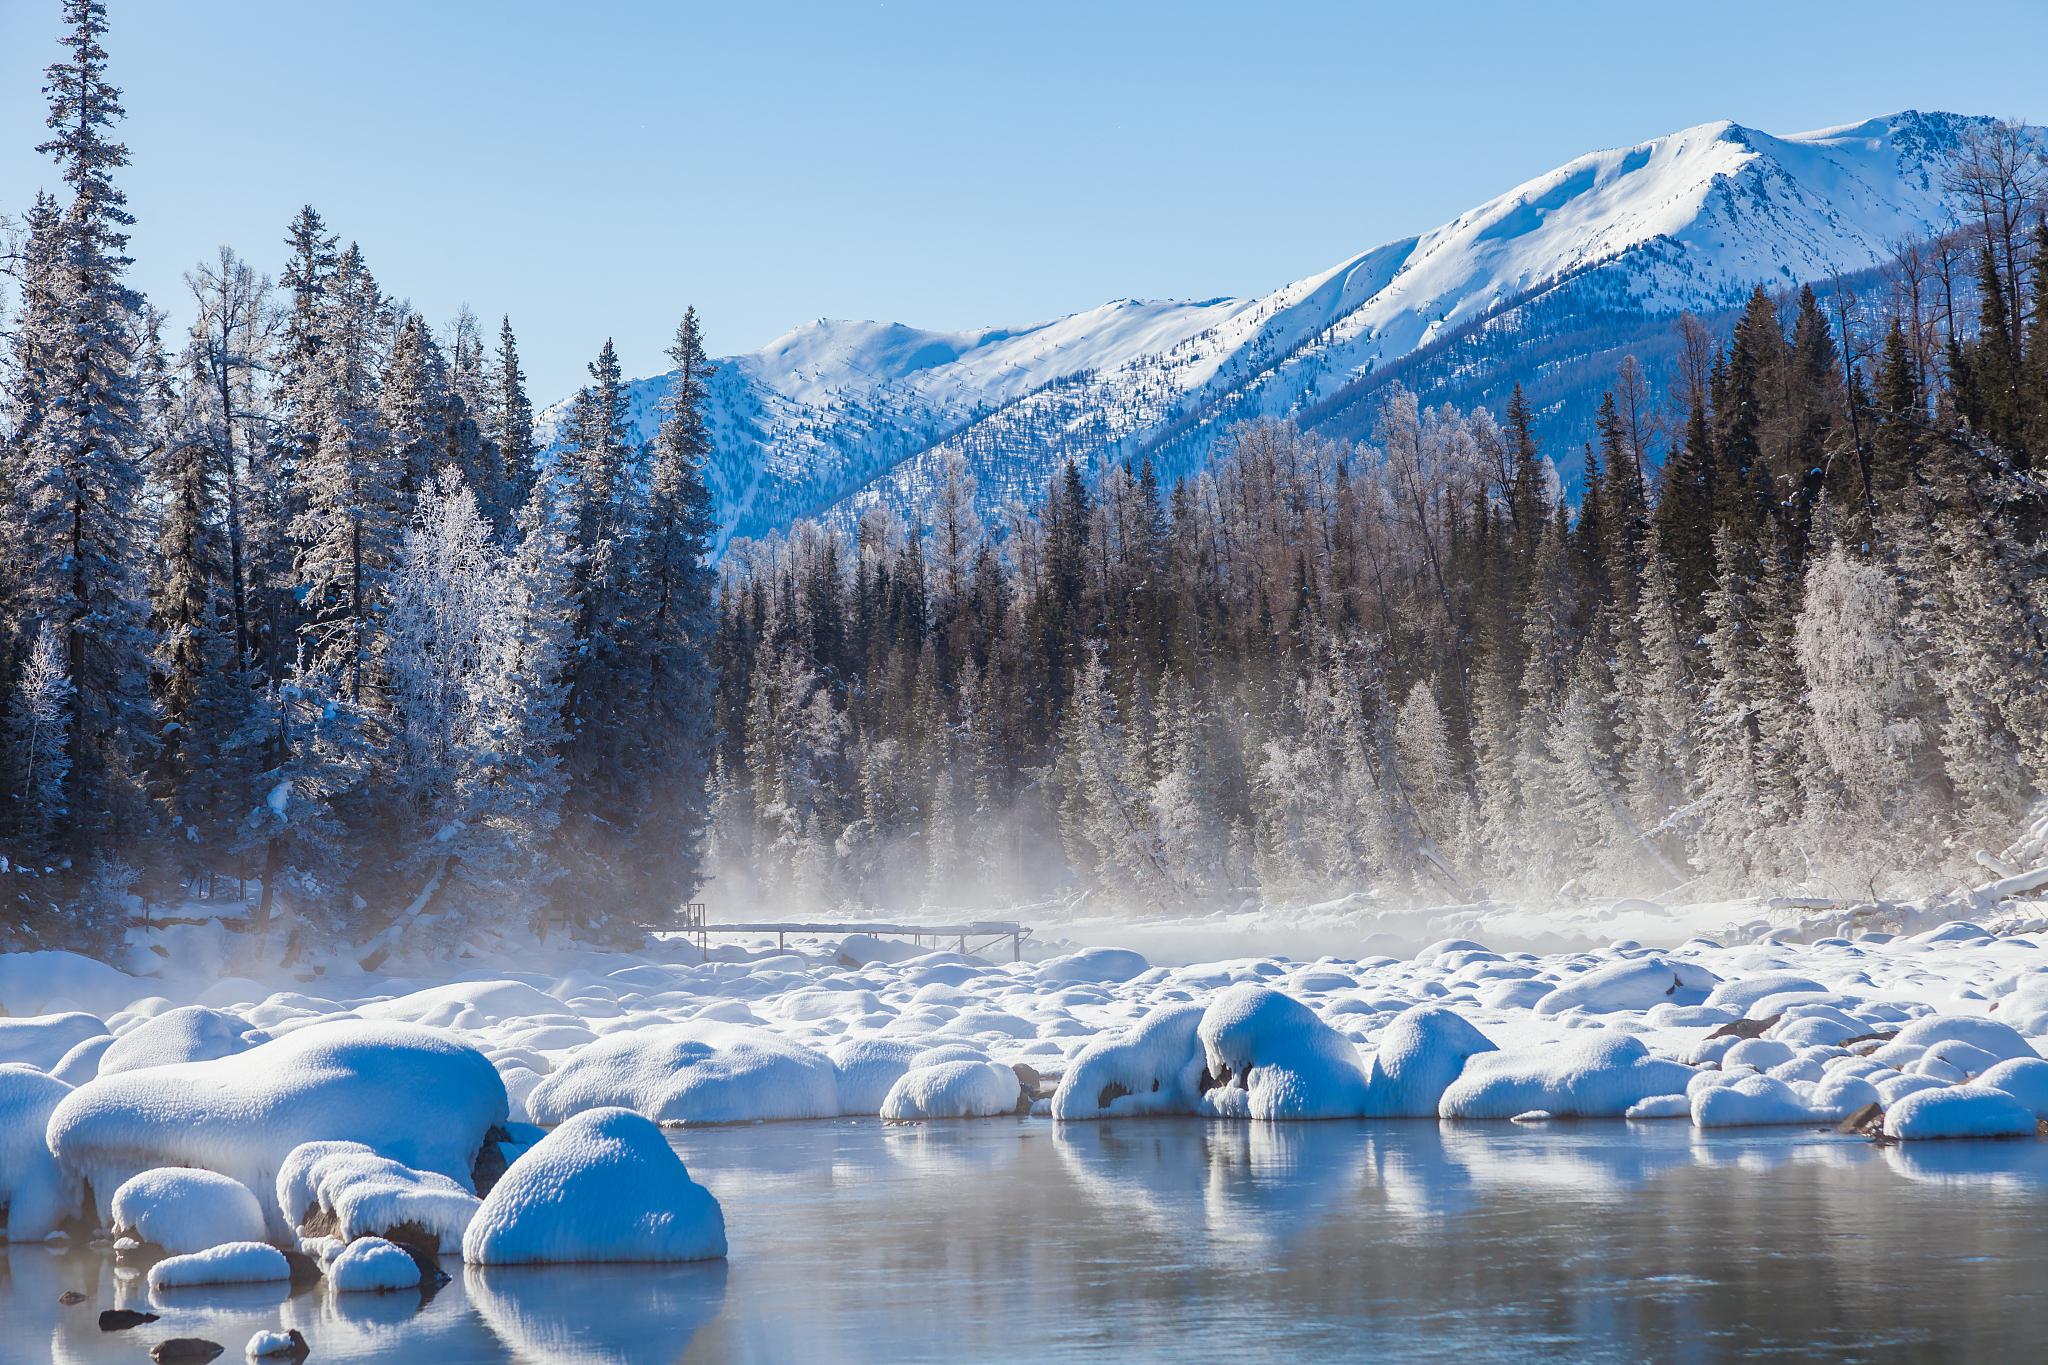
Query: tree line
1806,654
294,601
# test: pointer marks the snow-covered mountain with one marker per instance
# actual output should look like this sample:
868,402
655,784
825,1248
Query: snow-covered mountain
836,416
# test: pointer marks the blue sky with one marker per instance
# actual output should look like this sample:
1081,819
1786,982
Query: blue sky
592,167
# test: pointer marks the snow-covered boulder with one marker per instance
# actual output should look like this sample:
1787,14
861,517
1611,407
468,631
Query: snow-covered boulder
35,1193
1749,1100
1420,1054
1631,984
604,1186
2023,1078
346,1190
372,1265
43,1041
183,1210
1094,965
288,1344
1959,1111
415,1095
695,1072
466,1005
1740,994
228,1263
953,1090
1268,1056
191,1033
1598,1077
1153,1068
2001,1041
868,1067
31,982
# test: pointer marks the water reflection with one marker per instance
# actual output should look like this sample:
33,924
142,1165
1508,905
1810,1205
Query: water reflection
855,1240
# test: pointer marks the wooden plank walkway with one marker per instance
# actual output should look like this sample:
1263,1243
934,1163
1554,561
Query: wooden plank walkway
691,923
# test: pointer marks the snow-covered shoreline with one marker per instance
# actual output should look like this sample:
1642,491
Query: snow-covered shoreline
363,1128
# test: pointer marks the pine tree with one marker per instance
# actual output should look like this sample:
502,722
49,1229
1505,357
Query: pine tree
85,578
513,413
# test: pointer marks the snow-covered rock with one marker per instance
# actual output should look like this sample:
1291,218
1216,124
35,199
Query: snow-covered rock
868,1068
1960,1111
1599,1077
416,1095
692,1073
1094,964
372,1265
1634,984
191,1033
346,1190
1268,1056
1153,1068
953,1090
184,1210
43,1041
604,1186
1420,1054
35,1193
228,1263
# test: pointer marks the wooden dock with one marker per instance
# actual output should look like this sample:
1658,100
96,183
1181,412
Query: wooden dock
970,937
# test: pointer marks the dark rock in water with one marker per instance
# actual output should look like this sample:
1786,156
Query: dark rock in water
304,1269
1745,1028
121,1319
185,1351
1028,1082
70,1297
424,1248
490,1160
1865,1122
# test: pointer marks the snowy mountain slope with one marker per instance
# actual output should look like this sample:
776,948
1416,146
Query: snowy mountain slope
838,416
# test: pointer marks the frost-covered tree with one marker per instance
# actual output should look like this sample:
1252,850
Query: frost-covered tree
84,454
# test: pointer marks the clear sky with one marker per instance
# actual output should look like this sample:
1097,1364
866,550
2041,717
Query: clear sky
591,167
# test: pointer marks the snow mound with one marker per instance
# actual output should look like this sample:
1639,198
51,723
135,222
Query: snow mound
185,1210
605,1186
229,1263
43,1041
412,1094
1739,995
868,1068
1268,1056
953,1090
30,982
346,1190
1635,984
266,1345
371,1265
2023,1078
697,1072
35,1193
1590,1078
192,1033
1420,1054
1749,1101
1154,1068
1105,965
465,1004
2002,1041
1959,1111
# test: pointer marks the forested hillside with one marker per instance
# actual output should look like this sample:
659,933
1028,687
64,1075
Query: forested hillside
297,611
1808,656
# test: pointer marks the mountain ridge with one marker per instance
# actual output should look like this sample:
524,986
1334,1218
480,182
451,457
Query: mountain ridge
834,417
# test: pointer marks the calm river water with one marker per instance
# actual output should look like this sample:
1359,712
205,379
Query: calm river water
1013,1239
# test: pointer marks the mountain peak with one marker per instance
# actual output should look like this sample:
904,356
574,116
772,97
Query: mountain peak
837,415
